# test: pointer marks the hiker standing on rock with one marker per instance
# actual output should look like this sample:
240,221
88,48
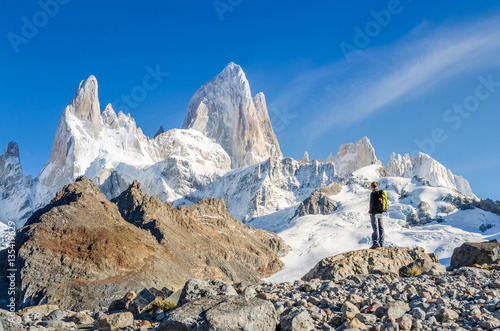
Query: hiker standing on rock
378,205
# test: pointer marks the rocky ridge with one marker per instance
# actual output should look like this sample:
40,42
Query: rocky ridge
82,243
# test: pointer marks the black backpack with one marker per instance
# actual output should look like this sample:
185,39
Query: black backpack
380,201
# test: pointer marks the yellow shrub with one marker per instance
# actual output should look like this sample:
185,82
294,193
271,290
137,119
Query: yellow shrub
161,303
414,271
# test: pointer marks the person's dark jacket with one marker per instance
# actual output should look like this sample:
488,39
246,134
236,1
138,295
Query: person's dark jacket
373,200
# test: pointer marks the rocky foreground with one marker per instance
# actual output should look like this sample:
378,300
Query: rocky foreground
422,295
465,299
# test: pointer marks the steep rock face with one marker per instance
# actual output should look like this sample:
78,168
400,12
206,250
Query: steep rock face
14,191
317,204
11,172
352,157
82,244
269,186
87,142
425,166
223,109
365,261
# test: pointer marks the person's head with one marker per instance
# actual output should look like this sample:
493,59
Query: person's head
374,186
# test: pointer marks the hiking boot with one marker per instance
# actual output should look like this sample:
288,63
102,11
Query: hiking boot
375,246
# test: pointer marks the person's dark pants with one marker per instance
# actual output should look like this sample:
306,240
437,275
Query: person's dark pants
378,229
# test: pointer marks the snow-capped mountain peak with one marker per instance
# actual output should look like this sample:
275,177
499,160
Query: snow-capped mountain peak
85,104
11,172
14,198
223,109
352,157
424,166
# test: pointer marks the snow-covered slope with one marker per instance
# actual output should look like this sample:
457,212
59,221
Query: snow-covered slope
223,109
267,187
424,166
314,237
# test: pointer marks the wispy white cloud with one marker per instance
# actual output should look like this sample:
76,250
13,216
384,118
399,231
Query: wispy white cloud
401,71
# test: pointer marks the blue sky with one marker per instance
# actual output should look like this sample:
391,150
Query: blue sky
410,75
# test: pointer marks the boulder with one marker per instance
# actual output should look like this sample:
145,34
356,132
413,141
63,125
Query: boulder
81,318
9,321
114,321
386,260
197,288
144,298
476,253
394,309
222,312
296,319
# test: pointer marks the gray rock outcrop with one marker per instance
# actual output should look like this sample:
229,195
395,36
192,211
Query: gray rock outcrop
476,253
198,288
386,260
316,204
421,216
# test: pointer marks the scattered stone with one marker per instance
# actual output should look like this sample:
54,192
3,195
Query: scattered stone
349,306
366,318
445,314
355,324
490,323
419,314
404,322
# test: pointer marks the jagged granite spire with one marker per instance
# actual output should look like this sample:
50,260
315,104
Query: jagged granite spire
15,203
11,171
159,132
223,109
352,157
85,104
